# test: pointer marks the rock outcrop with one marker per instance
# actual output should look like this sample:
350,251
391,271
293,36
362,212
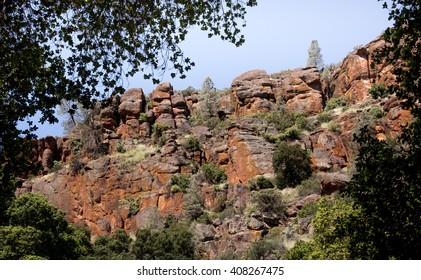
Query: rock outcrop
247,154
302,90
358,72
255,91
328,151
252,92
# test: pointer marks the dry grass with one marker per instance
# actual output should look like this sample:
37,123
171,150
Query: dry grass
135,155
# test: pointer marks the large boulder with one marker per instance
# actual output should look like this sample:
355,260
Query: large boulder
359,71
332,182
328,151
252,92
246,153
132,103
301,89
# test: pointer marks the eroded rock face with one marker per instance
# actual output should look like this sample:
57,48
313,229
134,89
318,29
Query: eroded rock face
170,108
332,182
132,103
328,150
252,92
113,193
162,107
358,73
302,90
246,154
110,191
230,235
128,117
255,91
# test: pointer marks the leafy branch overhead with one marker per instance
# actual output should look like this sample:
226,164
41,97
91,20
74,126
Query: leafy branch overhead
81,51
76,49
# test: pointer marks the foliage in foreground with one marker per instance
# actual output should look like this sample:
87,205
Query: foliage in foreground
37,229
174,242
335,233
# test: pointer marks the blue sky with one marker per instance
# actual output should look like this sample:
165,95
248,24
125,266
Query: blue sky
278,35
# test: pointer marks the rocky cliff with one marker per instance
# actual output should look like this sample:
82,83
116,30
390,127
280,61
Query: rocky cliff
128,187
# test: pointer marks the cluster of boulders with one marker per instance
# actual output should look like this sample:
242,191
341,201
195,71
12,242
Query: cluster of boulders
255,91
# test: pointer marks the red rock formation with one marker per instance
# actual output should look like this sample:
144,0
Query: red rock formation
255,91
327,150
358,73
252,92
245,154
302,90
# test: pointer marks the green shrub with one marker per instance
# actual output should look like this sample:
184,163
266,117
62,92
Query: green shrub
291,165
57,165
308,187
120,148
37,229
260,250
76,165
219,203
376,112
324,117
132,203
334,127
291,133
193,203
260,183
188,91
302,250
281,119
270,137
336,102
288,123
213,174
269,201
174,242
143,117
309,209
76,145
114,247
192,144
158,130
180,183
302,123
378,91
328,72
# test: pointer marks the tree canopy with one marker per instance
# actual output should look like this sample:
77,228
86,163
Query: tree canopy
76,50
36,229
81,51
387,184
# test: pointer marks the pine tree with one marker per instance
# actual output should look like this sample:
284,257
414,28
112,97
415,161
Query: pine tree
315,58
209,98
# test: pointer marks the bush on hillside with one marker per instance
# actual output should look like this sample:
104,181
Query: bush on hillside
291,165
180,183
336,102
213,174
378,91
